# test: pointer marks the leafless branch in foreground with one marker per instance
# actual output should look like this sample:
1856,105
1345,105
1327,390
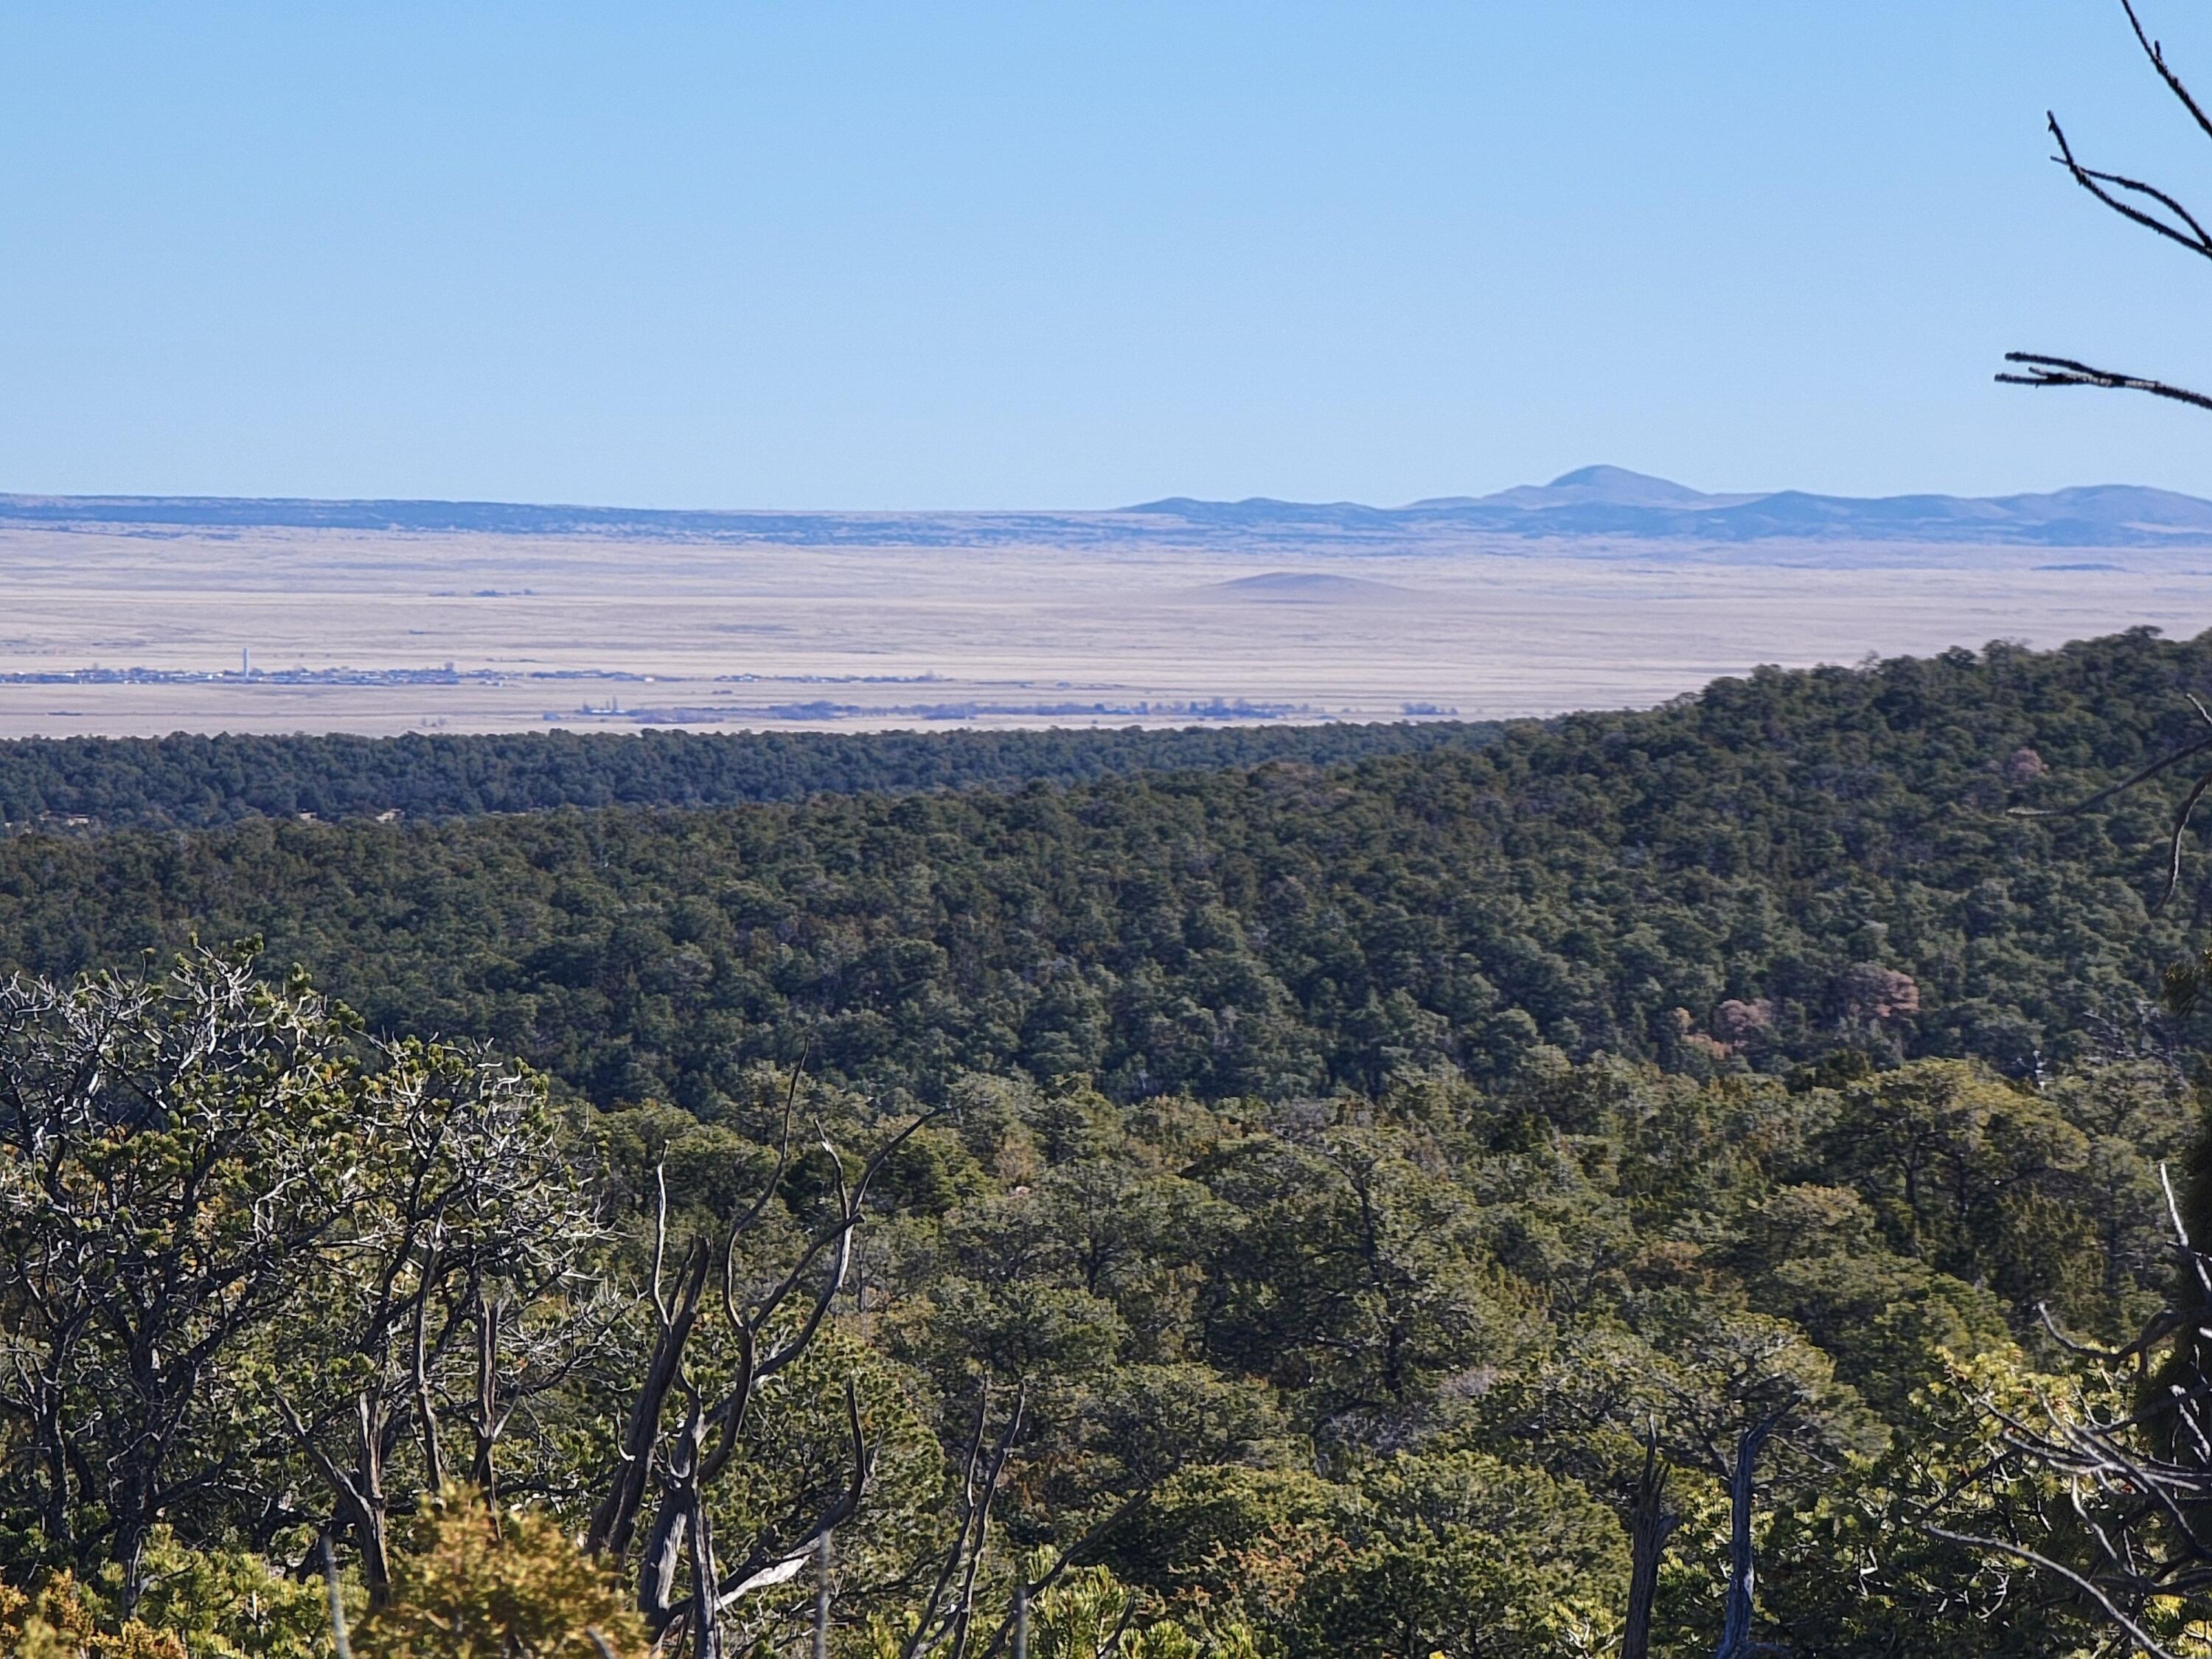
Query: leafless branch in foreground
2064,371
2181,818
2143,204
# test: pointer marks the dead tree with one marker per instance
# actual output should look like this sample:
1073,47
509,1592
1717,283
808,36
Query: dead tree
2140,203
1068,1556
948,1612
461,1295
1743,1485
1733,1391
948,1624
2163,214
1650,1523
679,1438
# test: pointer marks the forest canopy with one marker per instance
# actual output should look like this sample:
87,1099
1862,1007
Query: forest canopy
1781,866
192,782
1362,1375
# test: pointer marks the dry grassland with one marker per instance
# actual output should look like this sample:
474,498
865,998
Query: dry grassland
938,636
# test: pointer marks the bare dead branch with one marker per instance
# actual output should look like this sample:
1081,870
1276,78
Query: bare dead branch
1092,1536
2156,53
2193,236
2152,1334
746,1223
2173,850
2120,788
2181,819
773,1564
942,1619
2065,371
613,1521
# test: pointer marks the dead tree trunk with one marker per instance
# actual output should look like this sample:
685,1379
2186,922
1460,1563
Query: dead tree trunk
1743,1479
1650,1524
686,1459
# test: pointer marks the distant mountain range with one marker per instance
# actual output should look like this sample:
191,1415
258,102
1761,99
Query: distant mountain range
1611,502
1605,504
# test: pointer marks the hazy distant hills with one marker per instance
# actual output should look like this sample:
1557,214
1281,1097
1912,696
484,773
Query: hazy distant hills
1611,502
1602,504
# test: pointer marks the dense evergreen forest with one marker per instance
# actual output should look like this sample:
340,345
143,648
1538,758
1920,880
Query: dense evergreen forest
189,782
1465,1201
1779,867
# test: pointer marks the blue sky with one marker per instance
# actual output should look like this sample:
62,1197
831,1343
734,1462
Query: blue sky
929,254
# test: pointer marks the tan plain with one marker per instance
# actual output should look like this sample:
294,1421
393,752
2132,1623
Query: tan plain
1487,630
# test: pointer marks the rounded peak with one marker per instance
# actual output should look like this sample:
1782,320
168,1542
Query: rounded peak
1617,483
1601,474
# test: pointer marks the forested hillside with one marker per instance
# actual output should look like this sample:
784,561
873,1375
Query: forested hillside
190,782
1778,868
1461,1203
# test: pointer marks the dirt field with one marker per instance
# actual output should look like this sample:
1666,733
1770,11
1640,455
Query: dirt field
730,637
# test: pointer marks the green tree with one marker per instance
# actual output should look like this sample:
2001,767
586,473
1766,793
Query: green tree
175,1154
478,1583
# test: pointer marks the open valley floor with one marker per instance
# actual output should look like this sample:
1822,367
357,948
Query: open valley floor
382,632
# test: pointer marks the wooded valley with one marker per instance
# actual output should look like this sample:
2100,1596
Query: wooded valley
1435,1191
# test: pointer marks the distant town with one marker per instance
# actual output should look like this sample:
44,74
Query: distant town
814,710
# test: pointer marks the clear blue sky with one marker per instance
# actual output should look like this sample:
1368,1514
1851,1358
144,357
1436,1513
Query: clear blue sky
1036,253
